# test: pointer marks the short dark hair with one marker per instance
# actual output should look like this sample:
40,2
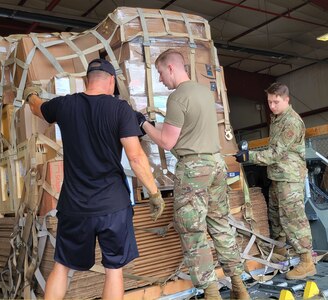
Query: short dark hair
278,89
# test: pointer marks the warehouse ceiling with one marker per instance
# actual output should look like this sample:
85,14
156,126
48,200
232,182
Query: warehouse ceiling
272,37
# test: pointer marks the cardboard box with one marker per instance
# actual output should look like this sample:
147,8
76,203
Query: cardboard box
133,50
232,165
65,85
140,103
41,68
7,115
6,75
6,195
135,74
53,132
4,47
54,178
20,174
166,30
8,94
205,74
132,63
130,25
7,79
26,123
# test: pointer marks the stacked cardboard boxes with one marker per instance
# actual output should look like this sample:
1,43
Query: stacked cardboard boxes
6,111
160,255
57,63
49,55
131,38
7,90
137,37
6,183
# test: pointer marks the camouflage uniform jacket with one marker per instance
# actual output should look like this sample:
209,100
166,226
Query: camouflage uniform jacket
285,156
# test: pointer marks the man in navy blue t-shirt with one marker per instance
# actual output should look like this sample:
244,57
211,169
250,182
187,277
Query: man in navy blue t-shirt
94,200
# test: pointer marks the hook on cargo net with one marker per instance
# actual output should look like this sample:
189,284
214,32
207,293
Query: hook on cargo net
228,134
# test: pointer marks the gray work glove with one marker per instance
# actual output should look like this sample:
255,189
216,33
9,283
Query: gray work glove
156,204
31,90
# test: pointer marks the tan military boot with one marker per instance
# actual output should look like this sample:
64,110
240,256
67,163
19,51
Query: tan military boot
281,250
212,292
238,289
305,268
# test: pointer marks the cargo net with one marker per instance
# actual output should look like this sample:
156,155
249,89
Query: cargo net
320,144
318,171
131,39
318,197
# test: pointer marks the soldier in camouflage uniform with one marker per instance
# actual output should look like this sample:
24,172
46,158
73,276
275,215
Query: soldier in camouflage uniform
286,167
201,205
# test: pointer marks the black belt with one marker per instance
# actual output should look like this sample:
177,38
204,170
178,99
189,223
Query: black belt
196,154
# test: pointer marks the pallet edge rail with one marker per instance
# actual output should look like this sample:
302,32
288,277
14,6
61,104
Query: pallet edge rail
309,133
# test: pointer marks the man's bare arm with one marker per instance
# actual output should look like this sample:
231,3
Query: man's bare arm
139,163
140,166
165,135
35,103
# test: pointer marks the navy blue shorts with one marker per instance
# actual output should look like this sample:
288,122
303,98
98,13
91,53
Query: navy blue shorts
76,240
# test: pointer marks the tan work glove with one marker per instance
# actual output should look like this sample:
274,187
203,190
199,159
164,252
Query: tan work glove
31,90
156,204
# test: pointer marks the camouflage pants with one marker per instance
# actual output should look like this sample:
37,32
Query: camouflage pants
200,206
287,214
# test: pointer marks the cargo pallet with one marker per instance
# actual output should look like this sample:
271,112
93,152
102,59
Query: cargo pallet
131,38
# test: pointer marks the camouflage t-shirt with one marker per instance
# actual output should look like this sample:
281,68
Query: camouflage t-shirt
285,156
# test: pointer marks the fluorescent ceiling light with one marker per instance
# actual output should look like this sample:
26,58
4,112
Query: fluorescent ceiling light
323,38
